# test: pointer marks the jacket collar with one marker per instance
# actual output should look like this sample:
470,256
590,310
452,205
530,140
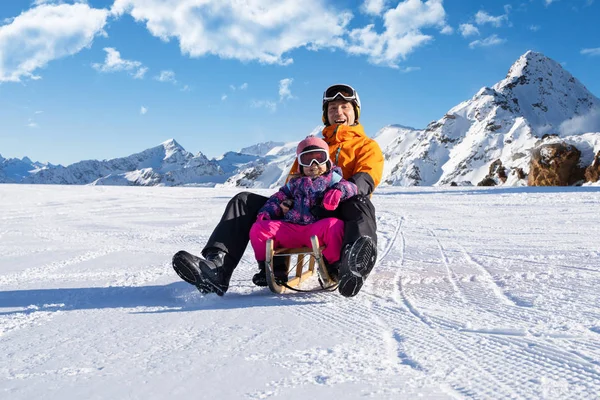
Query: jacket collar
338,133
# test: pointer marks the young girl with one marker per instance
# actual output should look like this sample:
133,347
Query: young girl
286,216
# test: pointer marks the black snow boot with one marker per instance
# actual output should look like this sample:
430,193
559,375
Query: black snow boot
206,274
279,270
358,259
333,269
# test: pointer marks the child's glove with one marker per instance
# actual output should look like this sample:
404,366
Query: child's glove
263,216
332,199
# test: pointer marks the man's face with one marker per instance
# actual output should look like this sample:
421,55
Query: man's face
340,112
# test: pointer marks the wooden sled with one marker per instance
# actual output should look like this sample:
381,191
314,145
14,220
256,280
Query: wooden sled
304,267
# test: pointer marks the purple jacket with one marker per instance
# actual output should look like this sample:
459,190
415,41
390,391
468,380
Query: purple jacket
306,193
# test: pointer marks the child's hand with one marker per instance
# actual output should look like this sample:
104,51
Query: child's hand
263,216
332,199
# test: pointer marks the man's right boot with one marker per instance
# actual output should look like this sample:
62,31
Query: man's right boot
206,274
358,259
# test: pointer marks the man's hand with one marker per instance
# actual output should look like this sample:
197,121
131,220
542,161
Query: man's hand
320,212
286,205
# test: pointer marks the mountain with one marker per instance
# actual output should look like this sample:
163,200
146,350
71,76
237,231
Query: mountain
14,170
168,164
538,102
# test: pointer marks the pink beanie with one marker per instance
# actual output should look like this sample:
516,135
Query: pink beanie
313,142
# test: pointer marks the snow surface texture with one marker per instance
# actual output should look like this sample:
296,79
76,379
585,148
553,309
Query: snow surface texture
483,293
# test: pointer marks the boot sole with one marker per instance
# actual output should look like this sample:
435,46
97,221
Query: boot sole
360,262
184,265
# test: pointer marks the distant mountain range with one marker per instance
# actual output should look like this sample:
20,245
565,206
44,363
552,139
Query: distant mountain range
538,102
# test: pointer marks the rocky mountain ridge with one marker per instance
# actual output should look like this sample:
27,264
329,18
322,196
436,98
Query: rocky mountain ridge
488,138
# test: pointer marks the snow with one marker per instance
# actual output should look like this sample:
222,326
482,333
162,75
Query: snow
477,293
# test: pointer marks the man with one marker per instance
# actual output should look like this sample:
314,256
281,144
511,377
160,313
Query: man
361,161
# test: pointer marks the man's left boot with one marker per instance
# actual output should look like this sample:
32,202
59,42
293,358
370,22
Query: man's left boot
358,259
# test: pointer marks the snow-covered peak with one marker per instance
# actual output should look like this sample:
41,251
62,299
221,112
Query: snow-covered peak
546,95
171,146
531,63
260,149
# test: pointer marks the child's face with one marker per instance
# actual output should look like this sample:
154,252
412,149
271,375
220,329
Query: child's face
315,170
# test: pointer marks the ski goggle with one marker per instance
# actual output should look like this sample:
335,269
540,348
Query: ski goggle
340,91
307,158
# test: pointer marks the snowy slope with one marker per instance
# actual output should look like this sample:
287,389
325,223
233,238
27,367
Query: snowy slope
477,293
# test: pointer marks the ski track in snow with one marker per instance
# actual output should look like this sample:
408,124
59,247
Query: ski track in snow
452,309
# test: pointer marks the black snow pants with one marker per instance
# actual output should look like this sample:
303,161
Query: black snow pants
232,233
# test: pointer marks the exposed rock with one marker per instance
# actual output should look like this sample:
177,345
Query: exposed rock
592,173
520,173
497,171
487,181
555,164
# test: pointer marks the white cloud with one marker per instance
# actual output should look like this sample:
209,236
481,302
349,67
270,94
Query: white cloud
406,70
493,40
591,52
284,89
548,2
224,97
243,86
447,30
166,76
268,30
186,88
31,124
482,18
38,112
269,105
114,63
45,33
373,7
402,34
139,74
143,110
249,31
534,28
467,30
581,124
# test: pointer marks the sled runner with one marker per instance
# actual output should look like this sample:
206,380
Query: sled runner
304,268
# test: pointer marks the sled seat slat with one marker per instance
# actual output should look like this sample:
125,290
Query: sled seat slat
298,250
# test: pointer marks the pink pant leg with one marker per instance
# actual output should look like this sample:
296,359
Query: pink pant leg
330,232
260,232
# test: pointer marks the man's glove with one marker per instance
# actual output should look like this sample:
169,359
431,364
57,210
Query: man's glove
332,199
320,212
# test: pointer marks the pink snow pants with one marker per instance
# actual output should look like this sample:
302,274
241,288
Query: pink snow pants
330,232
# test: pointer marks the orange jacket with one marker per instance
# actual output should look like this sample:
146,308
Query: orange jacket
359,156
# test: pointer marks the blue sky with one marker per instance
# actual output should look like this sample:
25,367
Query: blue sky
100,79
